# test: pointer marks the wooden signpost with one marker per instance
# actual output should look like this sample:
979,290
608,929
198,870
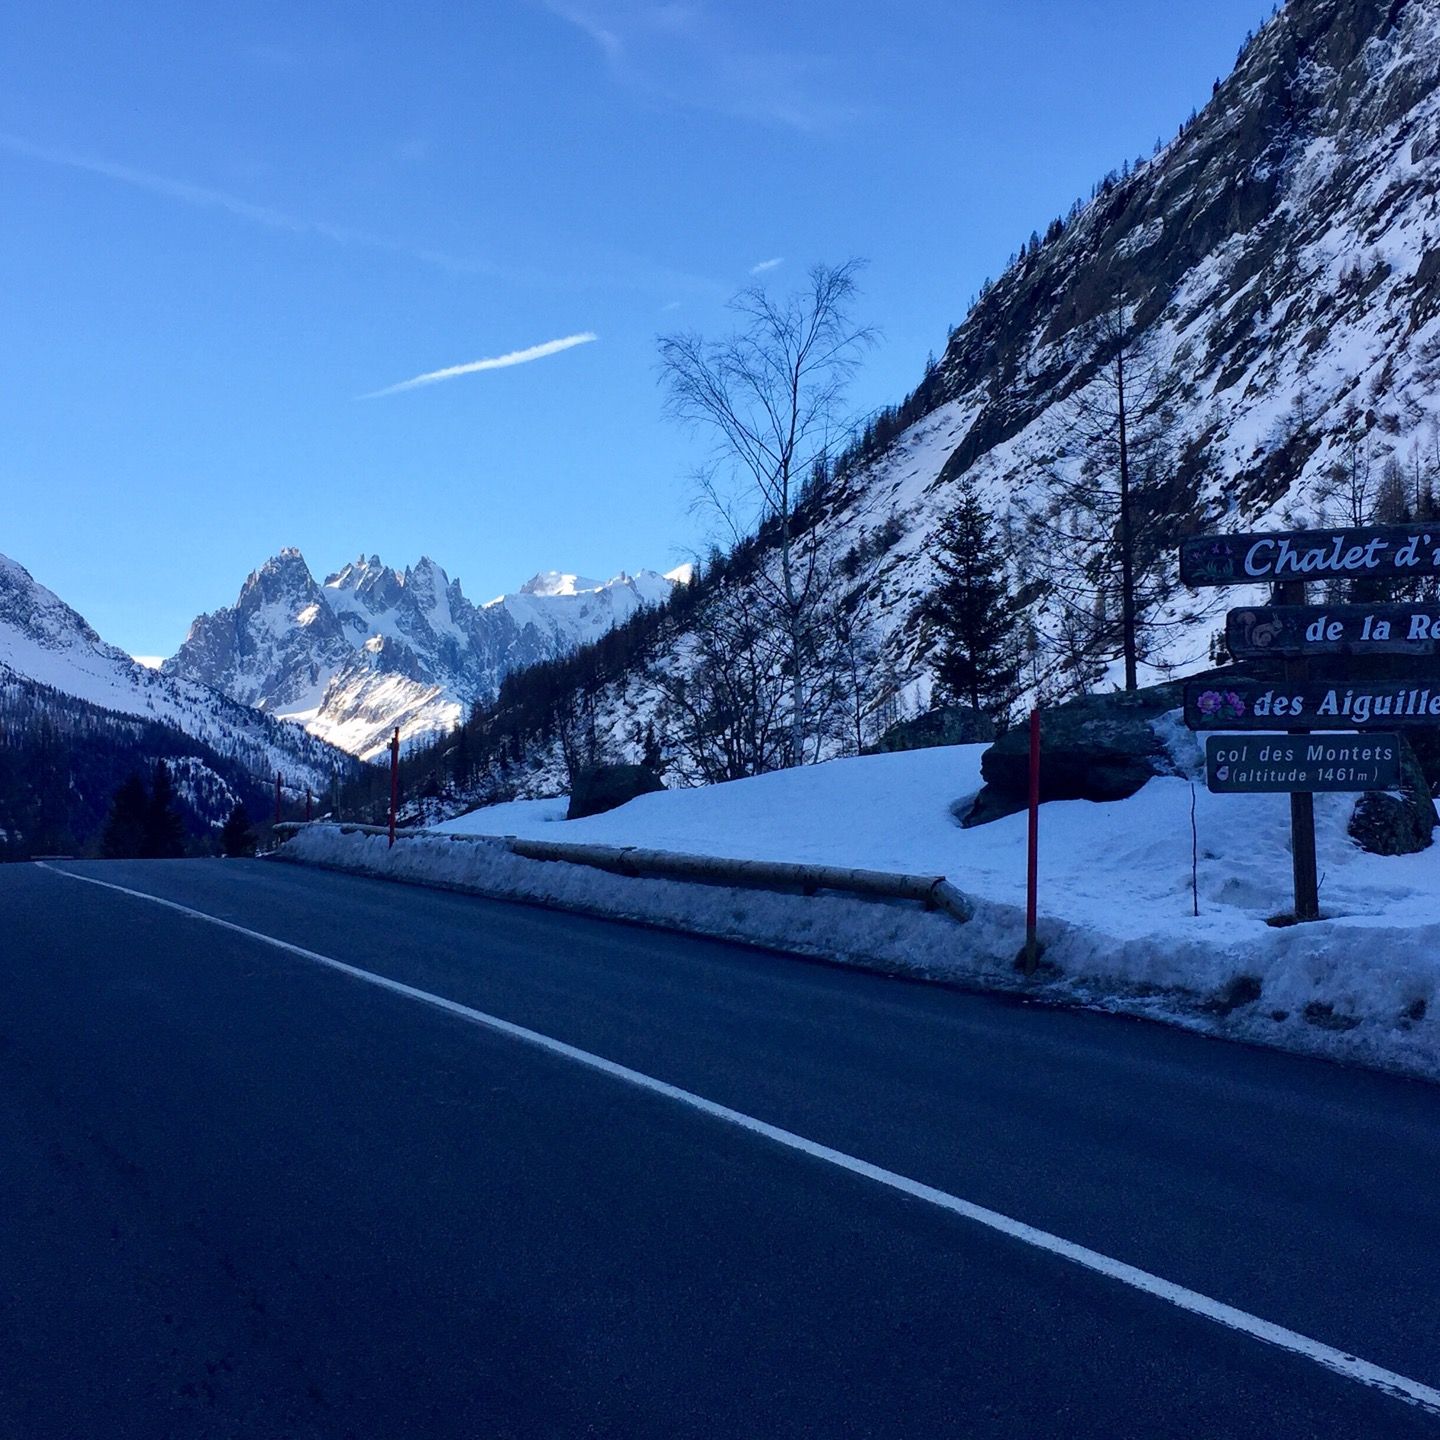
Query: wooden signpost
1379,552
1297,760
1253,634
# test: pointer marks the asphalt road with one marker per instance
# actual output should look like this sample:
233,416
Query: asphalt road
242,1194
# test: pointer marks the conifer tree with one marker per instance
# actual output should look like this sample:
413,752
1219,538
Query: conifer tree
1102,526
164,827
125,826
237,835
972,612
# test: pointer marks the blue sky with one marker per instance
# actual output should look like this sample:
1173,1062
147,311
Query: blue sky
228,227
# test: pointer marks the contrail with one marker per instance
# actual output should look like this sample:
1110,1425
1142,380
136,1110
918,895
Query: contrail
494,362
205,198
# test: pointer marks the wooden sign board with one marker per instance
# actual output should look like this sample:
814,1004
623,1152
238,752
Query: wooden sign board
1249,764
1333,630
1312,705
1384,552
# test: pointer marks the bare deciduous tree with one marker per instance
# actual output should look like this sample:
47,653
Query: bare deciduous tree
722,708
770,395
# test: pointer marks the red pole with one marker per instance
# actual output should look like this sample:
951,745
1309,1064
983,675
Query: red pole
394,780
1032,879
277,797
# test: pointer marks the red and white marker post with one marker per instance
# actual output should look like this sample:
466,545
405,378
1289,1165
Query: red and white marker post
1032,878
394,780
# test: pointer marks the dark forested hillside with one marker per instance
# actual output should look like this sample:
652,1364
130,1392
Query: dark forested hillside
62,759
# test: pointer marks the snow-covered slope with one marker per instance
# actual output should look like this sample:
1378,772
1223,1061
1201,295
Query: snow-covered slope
374,647
45,642
1281,259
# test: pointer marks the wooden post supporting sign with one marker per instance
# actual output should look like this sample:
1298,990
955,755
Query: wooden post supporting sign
1302,802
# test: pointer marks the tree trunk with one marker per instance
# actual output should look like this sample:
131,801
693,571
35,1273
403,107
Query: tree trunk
1127,544
793,621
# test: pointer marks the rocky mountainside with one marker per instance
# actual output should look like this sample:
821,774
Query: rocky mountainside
1277,266
1280,262
59,681
373,647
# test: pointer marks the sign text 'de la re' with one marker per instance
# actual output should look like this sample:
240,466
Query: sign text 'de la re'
1376,553
1264,630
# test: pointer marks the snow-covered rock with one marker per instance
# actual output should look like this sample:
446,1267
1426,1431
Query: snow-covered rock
374,647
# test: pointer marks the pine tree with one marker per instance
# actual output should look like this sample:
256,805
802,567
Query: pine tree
164,827
972,612
124,834
237,835
462,760
652,756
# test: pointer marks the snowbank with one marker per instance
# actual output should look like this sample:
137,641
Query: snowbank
1115,895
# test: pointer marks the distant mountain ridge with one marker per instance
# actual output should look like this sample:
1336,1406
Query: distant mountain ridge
85,709
373,648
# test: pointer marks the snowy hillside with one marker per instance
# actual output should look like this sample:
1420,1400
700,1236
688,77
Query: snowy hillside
1277,266
1281,261
375,647
44,643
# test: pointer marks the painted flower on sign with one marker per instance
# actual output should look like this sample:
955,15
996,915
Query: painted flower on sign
1214,705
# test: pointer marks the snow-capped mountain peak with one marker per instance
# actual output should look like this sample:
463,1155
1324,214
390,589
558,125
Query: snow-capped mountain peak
556,582
375,647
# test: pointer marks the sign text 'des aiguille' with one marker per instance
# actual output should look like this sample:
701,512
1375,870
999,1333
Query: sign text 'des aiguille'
1313,705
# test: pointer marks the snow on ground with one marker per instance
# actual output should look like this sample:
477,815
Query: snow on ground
1115,894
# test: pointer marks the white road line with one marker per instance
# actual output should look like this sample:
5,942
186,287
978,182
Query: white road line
1350,1366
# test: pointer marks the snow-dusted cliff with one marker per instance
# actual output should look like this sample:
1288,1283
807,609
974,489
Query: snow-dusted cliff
1281,261
374,647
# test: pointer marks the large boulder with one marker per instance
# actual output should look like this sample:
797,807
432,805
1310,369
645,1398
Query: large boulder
1099,747
606,787
1399,823
945,725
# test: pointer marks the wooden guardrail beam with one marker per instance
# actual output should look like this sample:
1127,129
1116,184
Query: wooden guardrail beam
932,891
